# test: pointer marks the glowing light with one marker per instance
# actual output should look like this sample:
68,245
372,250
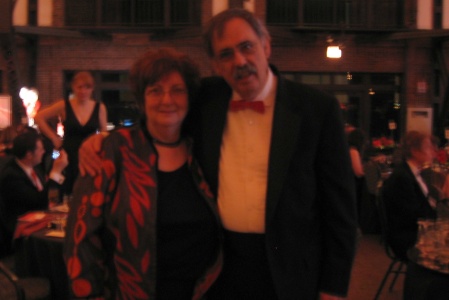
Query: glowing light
348,76
333,52
30,102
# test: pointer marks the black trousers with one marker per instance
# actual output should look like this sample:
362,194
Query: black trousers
246,274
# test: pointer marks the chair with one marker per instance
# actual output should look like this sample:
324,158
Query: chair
9,289
5,233
372,176
368,214
397,265
13,287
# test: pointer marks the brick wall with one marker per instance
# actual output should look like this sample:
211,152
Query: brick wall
291,51
58,54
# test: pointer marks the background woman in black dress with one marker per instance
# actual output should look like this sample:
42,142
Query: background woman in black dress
81,116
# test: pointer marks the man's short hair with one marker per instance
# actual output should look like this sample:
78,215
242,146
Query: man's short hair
217,23
25,142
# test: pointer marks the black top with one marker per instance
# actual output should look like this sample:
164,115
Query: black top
74,135
187,234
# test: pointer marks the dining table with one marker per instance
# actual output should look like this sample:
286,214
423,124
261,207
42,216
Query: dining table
38,242
425,279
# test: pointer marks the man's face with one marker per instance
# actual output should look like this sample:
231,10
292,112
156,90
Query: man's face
426,153
38,153
241,58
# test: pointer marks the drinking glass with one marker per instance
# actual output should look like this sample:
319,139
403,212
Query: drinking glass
53,198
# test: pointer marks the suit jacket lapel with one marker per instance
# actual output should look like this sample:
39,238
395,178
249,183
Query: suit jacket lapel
285,130
214,121
415,181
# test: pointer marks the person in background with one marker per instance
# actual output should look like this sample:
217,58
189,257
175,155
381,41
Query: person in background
149,227
279,166
357,143
406,195
81,116
23,186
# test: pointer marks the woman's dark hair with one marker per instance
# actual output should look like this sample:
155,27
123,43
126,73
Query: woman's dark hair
153,65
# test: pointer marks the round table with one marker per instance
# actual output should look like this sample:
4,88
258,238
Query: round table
42,256
424,281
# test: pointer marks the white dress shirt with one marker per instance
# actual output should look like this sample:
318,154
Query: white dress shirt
417,172
243,166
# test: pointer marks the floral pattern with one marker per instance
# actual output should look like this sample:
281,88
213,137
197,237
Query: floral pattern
383,142
118,208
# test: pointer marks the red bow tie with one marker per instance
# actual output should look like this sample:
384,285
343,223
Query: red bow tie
257,106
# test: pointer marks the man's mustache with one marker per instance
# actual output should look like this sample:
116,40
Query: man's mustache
244,71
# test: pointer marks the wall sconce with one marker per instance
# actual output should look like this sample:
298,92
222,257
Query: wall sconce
348,76
333,52
371,92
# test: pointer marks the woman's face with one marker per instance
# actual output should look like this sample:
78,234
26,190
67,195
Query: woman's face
82,90
166,102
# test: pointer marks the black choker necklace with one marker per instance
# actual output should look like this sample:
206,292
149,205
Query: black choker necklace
169,145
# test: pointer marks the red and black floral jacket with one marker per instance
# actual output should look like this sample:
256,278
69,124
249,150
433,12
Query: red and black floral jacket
111,231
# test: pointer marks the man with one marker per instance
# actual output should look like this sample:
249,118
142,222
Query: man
406,195
281,173
23,187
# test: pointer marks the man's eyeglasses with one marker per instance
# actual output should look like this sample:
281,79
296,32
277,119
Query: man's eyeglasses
159,93
245,48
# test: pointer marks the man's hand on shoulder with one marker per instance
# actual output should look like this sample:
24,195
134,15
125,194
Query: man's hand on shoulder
89,161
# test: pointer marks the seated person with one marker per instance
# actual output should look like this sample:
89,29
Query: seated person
405,194
23,187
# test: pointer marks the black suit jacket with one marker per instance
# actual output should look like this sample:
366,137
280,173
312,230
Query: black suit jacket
18,194
310,217
404,203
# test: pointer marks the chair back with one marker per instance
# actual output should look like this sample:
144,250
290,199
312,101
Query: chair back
397,264
9,288
5,233
383,218
372,177
29,288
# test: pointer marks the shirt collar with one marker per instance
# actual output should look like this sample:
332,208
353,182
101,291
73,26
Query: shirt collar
415,169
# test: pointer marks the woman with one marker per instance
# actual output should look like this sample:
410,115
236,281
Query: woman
149,217
81,117
356,141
